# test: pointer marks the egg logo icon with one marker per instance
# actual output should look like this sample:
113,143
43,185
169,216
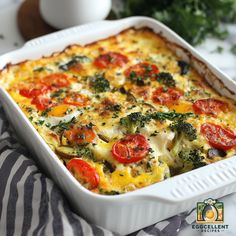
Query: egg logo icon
210,211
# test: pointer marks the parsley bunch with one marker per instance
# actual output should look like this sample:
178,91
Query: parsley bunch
194,20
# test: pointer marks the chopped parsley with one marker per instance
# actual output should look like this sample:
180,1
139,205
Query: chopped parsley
155,133
170,116
90,125
29,109
115,107
68,111
83,151
61,126
48,125
40,122
45,112
115,114
138,80
150,150
136,120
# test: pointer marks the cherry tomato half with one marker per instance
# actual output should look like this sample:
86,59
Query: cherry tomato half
209,106
76,99
166,96
110,59
132,148
84,172
80,135
34,90
42,103
143,70
56,80
218,137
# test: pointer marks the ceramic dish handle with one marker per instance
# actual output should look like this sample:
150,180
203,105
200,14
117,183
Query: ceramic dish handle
106,25
198,182
67,33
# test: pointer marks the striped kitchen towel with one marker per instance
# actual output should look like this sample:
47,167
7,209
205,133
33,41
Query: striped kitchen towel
31,204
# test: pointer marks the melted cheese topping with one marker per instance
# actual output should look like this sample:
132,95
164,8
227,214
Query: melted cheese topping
103,110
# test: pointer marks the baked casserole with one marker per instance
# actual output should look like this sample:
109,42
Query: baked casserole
124,112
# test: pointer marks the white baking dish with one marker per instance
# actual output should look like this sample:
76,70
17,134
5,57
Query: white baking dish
131,211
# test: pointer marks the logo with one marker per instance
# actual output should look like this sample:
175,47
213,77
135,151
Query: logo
210,211
210,216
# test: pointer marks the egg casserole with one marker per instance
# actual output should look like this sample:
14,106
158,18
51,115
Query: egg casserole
124,112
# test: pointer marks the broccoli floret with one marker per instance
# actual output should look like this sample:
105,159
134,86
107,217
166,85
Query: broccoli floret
185,133
184,128
192,158
166,79
99,83
133,122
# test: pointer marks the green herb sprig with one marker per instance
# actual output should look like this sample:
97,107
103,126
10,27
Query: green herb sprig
194,20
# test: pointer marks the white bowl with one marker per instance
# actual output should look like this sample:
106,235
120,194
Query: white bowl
66,13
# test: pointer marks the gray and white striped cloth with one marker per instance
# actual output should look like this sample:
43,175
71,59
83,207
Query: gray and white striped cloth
31,204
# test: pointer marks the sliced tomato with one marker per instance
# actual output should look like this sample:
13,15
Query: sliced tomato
166,96
110,59
56,80
42,103
34,90
218,137
84,172
209,106
80,135
142,70
76,99
132,148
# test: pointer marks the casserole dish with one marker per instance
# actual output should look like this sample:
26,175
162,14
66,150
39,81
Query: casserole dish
131,211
